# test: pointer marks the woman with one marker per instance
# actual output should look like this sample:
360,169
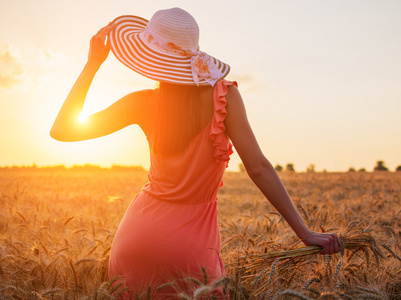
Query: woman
170,229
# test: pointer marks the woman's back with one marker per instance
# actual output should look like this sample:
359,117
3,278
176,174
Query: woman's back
194,174
178,113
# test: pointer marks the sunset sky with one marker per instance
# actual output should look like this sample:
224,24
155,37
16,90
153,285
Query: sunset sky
321,80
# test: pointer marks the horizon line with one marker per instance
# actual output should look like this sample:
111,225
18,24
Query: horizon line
89,166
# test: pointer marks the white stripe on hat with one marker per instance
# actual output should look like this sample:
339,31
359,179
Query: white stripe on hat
165,48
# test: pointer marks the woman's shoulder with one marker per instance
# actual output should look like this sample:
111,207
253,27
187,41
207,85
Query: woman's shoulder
139,106
142,100
226,88
233,95
141,95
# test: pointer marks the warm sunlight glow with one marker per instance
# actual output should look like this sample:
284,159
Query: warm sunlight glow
82,118
296,82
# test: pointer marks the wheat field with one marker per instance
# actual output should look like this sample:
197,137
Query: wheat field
56,229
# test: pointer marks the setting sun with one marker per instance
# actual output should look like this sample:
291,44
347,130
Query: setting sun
82,118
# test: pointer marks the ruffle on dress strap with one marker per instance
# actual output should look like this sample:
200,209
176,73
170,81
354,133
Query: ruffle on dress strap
221,144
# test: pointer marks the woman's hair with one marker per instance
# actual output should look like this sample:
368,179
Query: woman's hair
177,118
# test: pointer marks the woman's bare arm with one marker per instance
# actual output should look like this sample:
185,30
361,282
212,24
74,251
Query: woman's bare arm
265,177
128,110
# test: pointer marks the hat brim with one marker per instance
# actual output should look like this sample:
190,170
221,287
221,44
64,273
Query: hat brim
129,47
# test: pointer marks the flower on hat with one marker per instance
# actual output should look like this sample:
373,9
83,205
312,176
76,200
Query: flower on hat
203,66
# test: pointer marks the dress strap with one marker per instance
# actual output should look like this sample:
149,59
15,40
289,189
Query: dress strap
220,140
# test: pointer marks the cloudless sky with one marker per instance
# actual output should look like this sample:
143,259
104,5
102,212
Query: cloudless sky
321,80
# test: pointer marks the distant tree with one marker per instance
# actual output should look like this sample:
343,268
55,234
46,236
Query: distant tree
290,168
398,169
380,166
351,169
362,170
311,168
278,168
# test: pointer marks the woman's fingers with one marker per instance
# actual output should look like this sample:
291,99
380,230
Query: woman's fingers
332,244
106,29
101,35
99,46
338,245
328,241
326,248
331,241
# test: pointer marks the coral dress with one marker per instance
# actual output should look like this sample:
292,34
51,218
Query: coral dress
170,229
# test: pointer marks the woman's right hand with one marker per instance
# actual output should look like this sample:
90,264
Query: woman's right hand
328,241
100,46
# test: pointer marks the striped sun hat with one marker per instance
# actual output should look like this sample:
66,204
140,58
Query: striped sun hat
166,48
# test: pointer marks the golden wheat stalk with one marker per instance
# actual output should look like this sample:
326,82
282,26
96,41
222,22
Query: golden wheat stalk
252,262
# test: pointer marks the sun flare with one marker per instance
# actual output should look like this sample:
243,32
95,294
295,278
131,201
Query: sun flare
82,118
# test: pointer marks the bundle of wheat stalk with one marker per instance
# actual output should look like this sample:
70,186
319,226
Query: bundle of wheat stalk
257,267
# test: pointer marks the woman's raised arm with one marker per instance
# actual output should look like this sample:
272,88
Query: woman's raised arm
265,177
128,110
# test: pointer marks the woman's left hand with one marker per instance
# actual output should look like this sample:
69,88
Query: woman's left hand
100,46
328,241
